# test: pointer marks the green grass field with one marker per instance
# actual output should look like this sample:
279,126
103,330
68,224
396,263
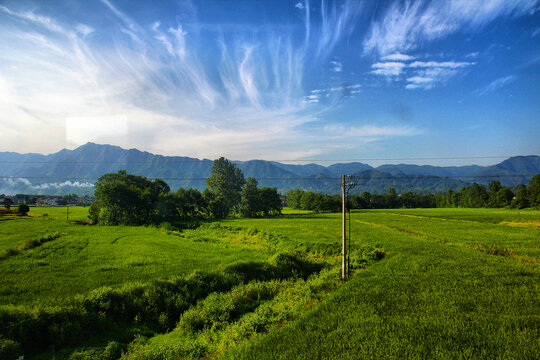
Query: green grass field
455,283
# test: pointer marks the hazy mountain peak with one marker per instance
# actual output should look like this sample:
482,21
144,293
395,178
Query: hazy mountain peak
72,171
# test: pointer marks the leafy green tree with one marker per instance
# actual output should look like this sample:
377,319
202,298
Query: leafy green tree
493,188
534,191
127,199
366,199
250,203
474,196
225,184
215,205
309,201
391,198
503,198
522,198
23,209
190,204
8,202
94,211
293,199
165,209
269,201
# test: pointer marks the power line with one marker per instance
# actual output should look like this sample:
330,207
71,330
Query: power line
417,177
164,161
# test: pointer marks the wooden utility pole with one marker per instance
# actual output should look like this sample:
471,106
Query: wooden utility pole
345,187
344,233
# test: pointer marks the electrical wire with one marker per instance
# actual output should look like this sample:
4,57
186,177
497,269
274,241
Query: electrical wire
172,161
417,177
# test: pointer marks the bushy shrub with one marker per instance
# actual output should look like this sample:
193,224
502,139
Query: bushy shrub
113,351
9,349
294,265
32,243
250,270
360,258
282,265
220,309
166,226
4,211
8,252
41,327
140,307
23,209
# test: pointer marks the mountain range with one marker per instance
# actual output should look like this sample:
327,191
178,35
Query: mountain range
75,171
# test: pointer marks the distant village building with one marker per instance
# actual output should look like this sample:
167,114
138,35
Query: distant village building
18,200
51,201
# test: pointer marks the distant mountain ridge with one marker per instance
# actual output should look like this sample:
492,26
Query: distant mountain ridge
75,171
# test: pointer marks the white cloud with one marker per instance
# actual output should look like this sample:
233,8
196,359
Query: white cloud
419,82
249,102
369,132
80,130
406,25
56,185
390,68
179,36
420,74
335,23
336,66
299,5
496,84
84,29
398,57
440,64
429,77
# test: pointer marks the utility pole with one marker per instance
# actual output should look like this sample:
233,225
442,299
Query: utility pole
344,235
345,187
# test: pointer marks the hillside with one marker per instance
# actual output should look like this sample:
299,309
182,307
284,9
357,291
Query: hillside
75,171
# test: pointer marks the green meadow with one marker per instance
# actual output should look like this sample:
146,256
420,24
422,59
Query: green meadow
427,283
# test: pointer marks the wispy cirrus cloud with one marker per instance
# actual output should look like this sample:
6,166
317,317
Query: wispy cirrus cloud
336,66
440,64
418,74
390,68
249,101
496,84
398,57
406,25
416,82
336,22
428,74
369,132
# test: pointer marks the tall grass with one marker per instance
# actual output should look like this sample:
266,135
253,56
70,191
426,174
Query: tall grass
454,283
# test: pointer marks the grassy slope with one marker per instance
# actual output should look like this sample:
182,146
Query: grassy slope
433,296
429,298
88,257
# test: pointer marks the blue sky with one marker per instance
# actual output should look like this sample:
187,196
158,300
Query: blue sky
276,80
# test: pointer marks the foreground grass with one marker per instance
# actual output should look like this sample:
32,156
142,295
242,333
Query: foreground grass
455,283
87,257
428,299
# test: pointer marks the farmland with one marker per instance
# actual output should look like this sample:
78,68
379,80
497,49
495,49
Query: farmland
453,283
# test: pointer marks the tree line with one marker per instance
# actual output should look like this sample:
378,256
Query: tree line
127,199
473,196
